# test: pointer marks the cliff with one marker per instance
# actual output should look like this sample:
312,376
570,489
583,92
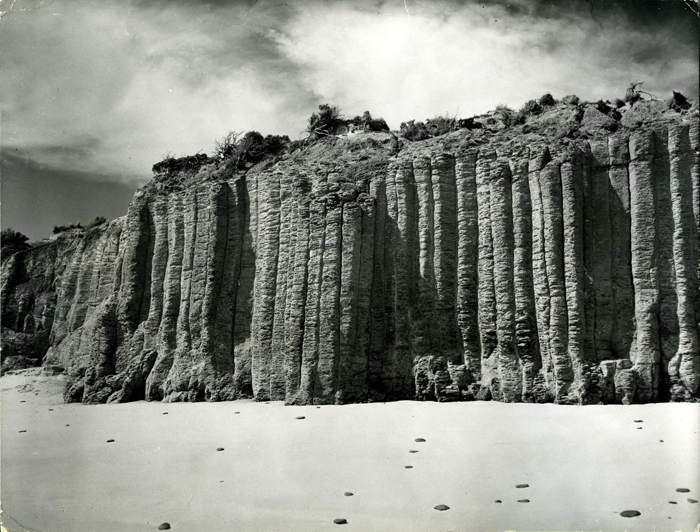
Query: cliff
556,261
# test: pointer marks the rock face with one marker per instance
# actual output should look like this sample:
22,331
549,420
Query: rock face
511,265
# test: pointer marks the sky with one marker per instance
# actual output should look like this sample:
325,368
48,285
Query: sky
94,92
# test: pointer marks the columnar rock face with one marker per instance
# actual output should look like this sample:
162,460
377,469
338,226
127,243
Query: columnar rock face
530,267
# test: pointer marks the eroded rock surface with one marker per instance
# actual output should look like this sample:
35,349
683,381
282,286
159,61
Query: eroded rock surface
514,265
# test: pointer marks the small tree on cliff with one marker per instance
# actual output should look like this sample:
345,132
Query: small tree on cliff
12,242
326,121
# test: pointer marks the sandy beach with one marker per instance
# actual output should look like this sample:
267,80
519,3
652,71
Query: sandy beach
265,466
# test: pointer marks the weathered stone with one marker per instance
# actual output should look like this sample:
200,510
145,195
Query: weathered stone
536,268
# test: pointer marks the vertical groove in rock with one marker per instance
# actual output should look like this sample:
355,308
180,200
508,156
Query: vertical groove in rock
178,376
694,134
523,284
643,211
445,256
501,207
539,157
136,259
348,302
278,343
166,340
423,326
572,181
486,292
159,261
360,355
228,227
378,294
297,292
265,284
328,339
317,235
404,265
684,368
395,344
668,300
601,249
623,291
247,188
550,182
467,262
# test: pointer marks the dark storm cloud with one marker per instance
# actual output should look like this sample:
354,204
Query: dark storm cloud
36,197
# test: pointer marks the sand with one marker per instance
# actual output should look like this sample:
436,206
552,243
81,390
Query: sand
290,468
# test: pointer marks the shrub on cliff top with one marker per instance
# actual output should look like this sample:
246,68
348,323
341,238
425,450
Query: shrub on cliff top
547,100
171,165
325,122
531,107
433,127
367,123
571,99
678,102
63,228
250,148
11,242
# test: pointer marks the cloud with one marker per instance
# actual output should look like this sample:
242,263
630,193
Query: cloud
443,57
106,88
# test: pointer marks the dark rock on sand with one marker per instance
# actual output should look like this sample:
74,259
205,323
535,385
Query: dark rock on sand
683,490
301,417
498,501
23,431
692,501
522,485
639,421
219,448
524,500
408,467
164,526
630,513
348,494
413,451
420,440
110,441
340,521
672,502
442,507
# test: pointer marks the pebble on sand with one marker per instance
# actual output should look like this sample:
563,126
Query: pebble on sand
630,513
523,500
348,494
219,448
683,490
301,417
23,401
522,485
164,526
165,413
236,412
692,501
68,425
413,451
340,521
110,441
639,421
420,440
661,441
442,507
23,431
408,467
50,409
498,501
672,502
